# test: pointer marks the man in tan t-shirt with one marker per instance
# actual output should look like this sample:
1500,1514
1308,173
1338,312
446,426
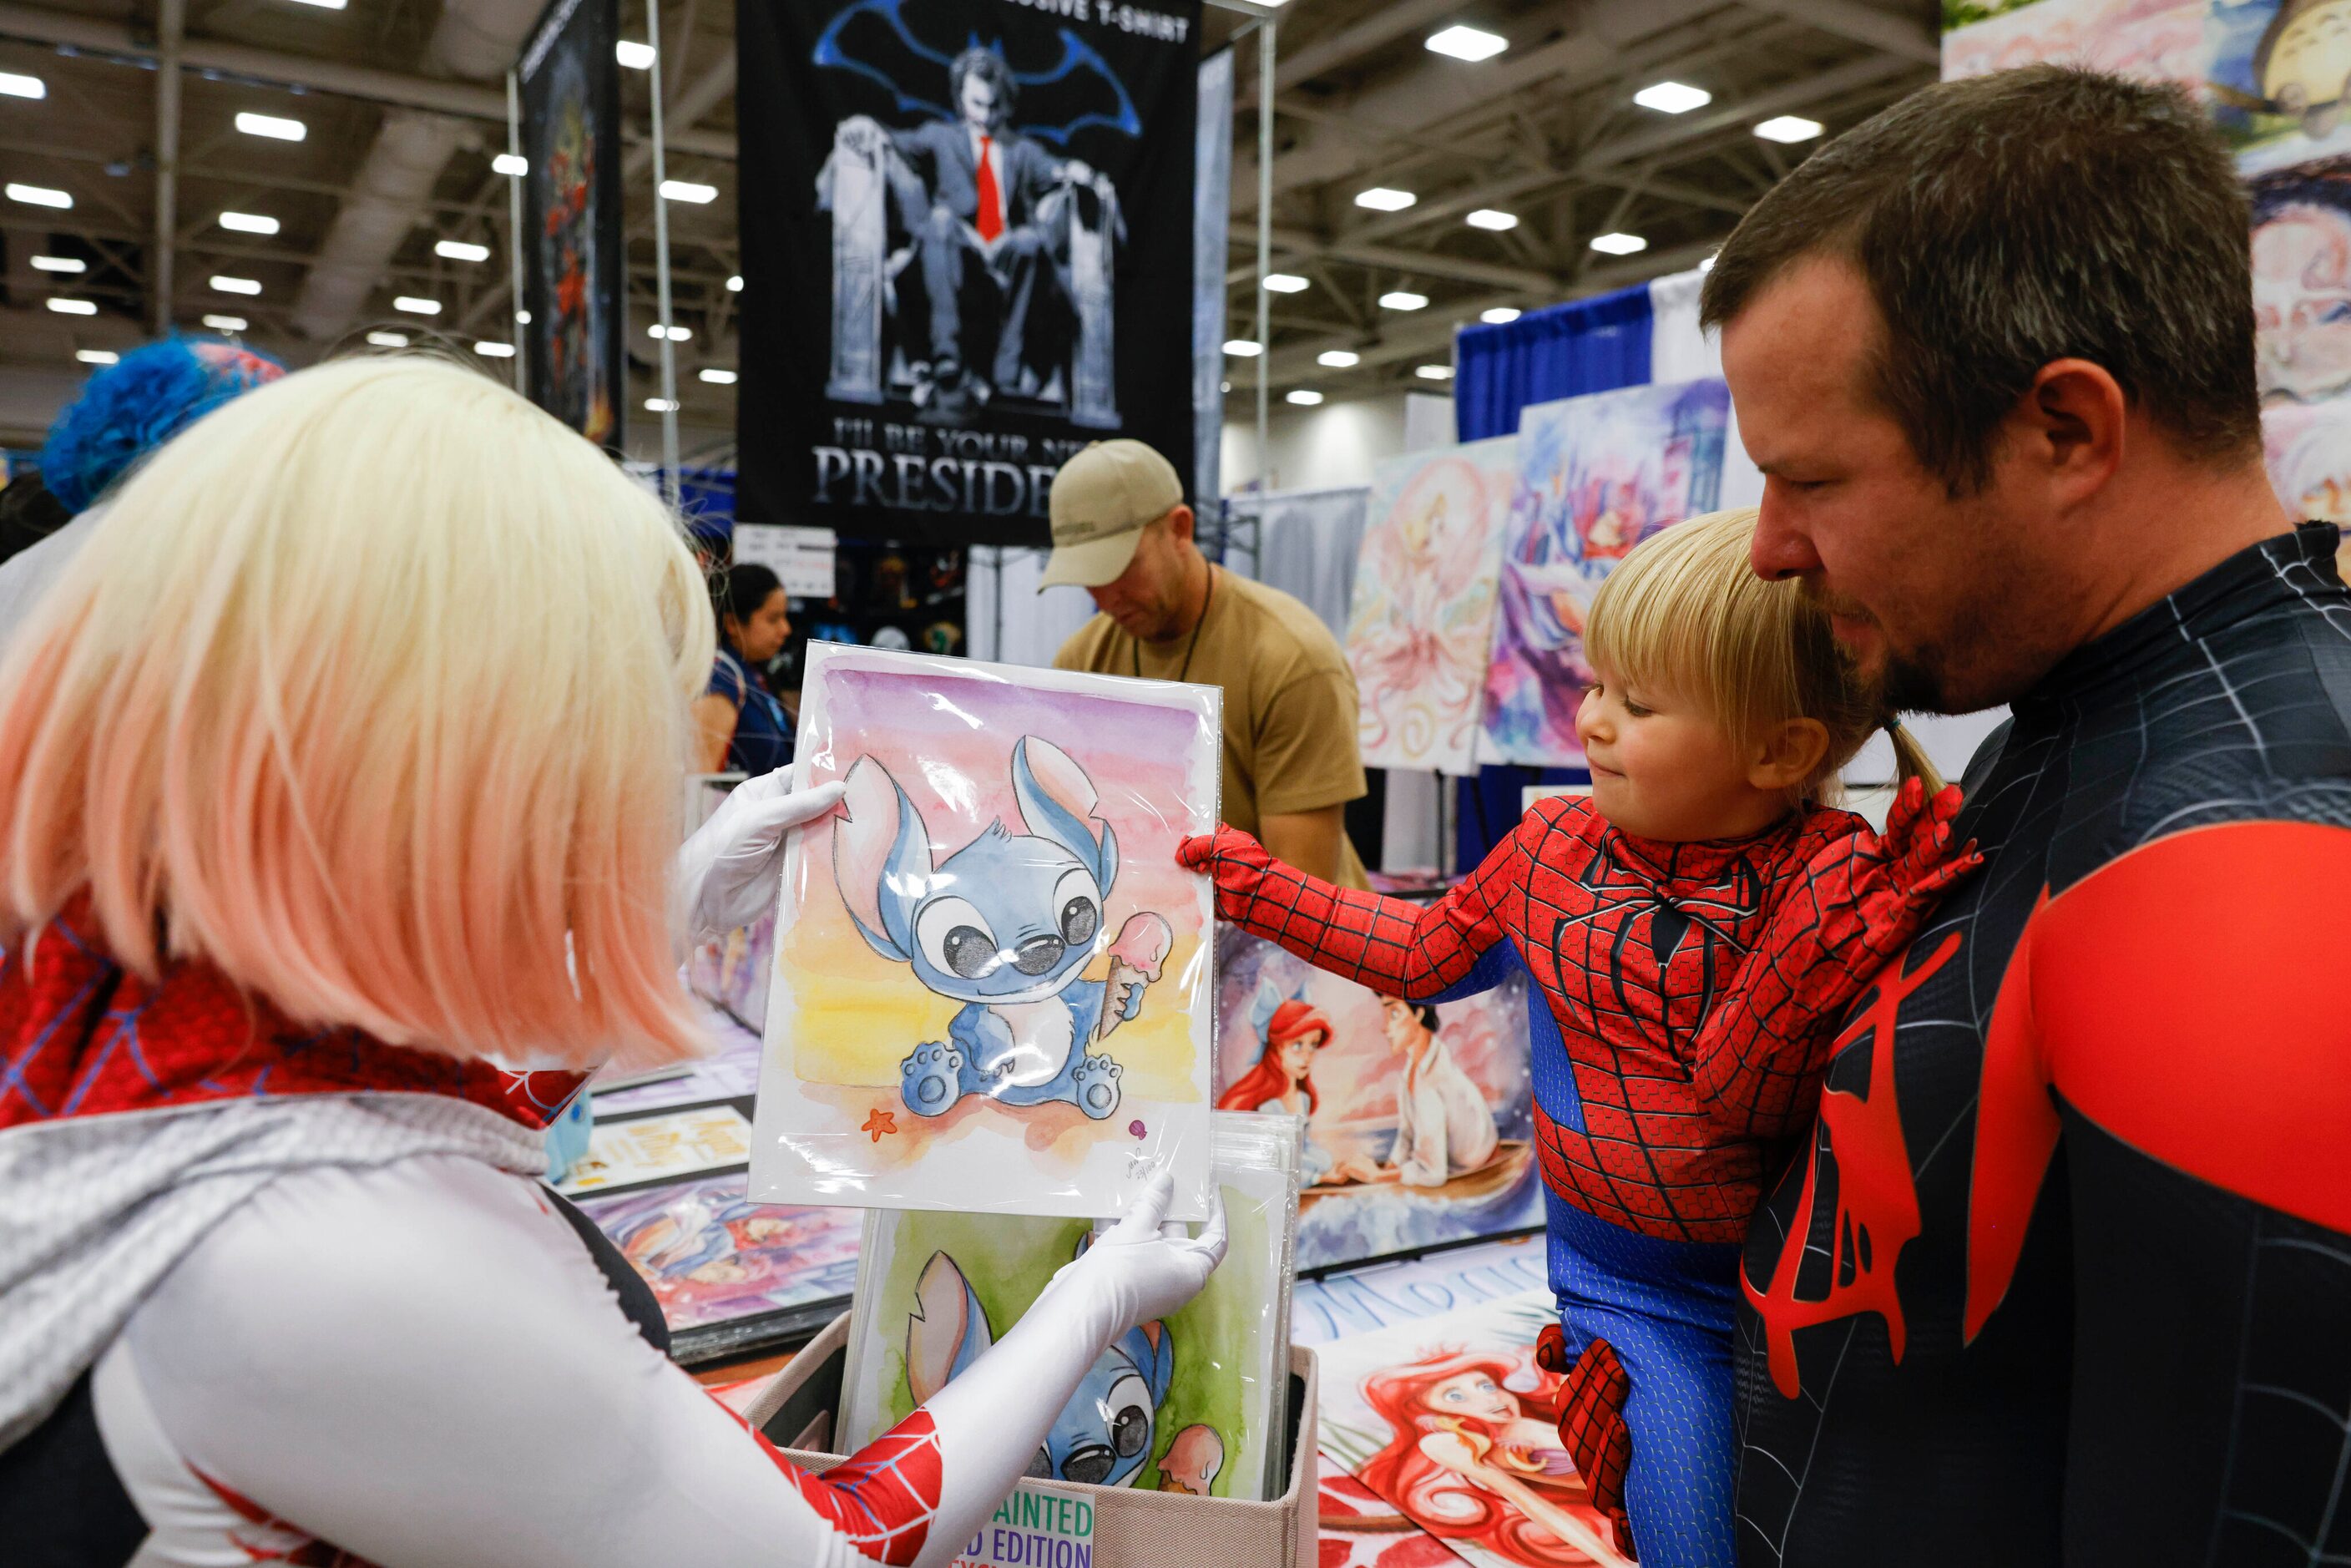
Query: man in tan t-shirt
1122,532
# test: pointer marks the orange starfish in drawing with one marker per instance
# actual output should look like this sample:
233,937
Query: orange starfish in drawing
879,1123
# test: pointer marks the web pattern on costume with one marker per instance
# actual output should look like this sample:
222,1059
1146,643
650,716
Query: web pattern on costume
884,1499
81,1036
2234,705
1695,986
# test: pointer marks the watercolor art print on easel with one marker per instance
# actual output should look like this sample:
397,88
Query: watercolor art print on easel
992,986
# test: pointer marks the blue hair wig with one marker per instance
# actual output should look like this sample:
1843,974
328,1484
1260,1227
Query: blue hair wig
129,409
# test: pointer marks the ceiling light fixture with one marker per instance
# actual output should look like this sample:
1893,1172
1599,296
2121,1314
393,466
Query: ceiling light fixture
1472,44
490,349
1305,399
688,191
1492,220
73,306
226,284
324,4
461,250
510,164
1501,316
637,56
227,323
1339,358
1383,199
1673,97
416,307
1435,372
96,356
717,377
735,284
1244,348
1286,283
248,223
1788,128
387,339
1618,244
39,197
15,85
676,334
275,127
59,264
522,318
661,405
1403,300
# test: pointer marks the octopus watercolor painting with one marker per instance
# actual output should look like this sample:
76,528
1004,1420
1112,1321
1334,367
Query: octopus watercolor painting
1422,622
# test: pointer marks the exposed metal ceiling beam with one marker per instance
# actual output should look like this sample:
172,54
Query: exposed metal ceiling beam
1912,37
1304,243
1390,22
170,26
272,67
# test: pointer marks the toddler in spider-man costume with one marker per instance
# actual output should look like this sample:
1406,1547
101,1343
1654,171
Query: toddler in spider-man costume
1699,928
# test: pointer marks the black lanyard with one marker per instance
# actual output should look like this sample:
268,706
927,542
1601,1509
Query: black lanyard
1207,599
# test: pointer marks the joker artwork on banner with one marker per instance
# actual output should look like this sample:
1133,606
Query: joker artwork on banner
574,265
968,251
1597,475
1415,1119
1422,624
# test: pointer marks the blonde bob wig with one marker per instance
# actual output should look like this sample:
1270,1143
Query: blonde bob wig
370,690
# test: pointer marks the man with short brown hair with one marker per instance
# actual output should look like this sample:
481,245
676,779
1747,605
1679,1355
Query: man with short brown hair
2063,1272
1122,532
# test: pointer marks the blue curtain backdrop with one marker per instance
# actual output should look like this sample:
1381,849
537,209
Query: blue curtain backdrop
1586,346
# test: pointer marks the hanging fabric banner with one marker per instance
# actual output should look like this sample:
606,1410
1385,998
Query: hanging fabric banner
574,267
968,251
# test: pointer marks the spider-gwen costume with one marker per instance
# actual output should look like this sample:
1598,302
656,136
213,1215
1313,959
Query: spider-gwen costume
2065,1277
1687,986
268,1293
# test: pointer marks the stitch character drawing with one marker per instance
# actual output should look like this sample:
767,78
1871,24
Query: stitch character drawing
1104,1435
1006,924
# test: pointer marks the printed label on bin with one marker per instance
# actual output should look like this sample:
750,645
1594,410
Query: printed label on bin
1034,1527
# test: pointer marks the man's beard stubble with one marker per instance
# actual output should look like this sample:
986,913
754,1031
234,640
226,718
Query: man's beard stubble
1906,684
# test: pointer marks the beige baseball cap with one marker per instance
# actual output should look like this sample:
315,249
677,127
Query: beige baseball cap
1103,498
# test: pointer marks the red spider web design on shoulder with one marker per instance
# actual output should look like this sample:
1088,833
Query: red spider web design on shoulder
883,1500
1693,989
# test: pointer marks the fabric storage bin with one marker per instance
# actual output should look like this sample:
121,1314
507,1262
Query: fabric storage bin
1132,1529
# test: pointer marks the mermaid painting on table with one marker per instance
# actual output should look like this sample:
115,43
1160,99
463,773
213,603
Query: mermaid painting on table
1281,1083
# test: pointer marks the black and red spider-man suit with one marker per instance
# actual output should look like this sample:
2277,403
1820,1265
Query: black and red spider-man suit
1690,990
2065,1277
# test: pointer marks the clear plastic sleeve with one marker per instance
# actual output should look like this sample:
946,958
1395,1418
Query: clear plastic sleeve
1194,1403
994,987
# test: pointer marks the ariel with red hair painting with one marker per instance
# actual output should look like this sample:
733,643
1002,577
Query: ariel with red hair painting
1282,1083
1473,1460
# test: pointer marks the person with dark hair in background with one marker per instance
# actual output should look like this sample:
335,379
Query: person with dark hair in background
743,727
126,411
29,514
2064,1270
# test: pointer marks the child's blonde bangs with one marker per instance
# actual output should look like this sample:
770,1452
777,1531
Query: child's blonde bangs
370,690
1685,614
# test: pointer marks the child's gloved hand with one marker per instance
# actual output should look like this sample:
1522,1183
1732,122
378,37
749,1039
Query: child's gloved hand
1236,860
1142,1268
1921,864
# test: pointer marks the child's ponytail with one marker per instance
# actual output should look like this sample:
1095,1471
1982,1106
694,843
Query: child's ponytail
1910,758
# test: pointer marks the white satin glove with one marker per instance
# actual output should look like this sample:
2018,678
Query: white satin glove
1144,1266
729,872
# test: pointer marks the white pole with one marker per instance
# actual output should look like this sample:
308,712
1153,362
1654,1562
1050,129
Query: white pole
1265,52
514,238
661,265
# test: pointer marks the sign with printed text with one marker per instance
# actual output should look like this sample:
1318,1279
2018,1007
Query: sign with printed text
801,559
968,252
1034,1527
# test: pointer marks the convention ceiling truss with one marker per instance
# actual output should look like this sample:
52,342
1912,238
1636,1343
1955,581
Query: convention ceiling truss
402,115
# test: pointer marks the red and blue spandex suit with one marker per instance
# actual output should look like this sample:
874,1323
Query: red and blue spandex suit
1693,990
